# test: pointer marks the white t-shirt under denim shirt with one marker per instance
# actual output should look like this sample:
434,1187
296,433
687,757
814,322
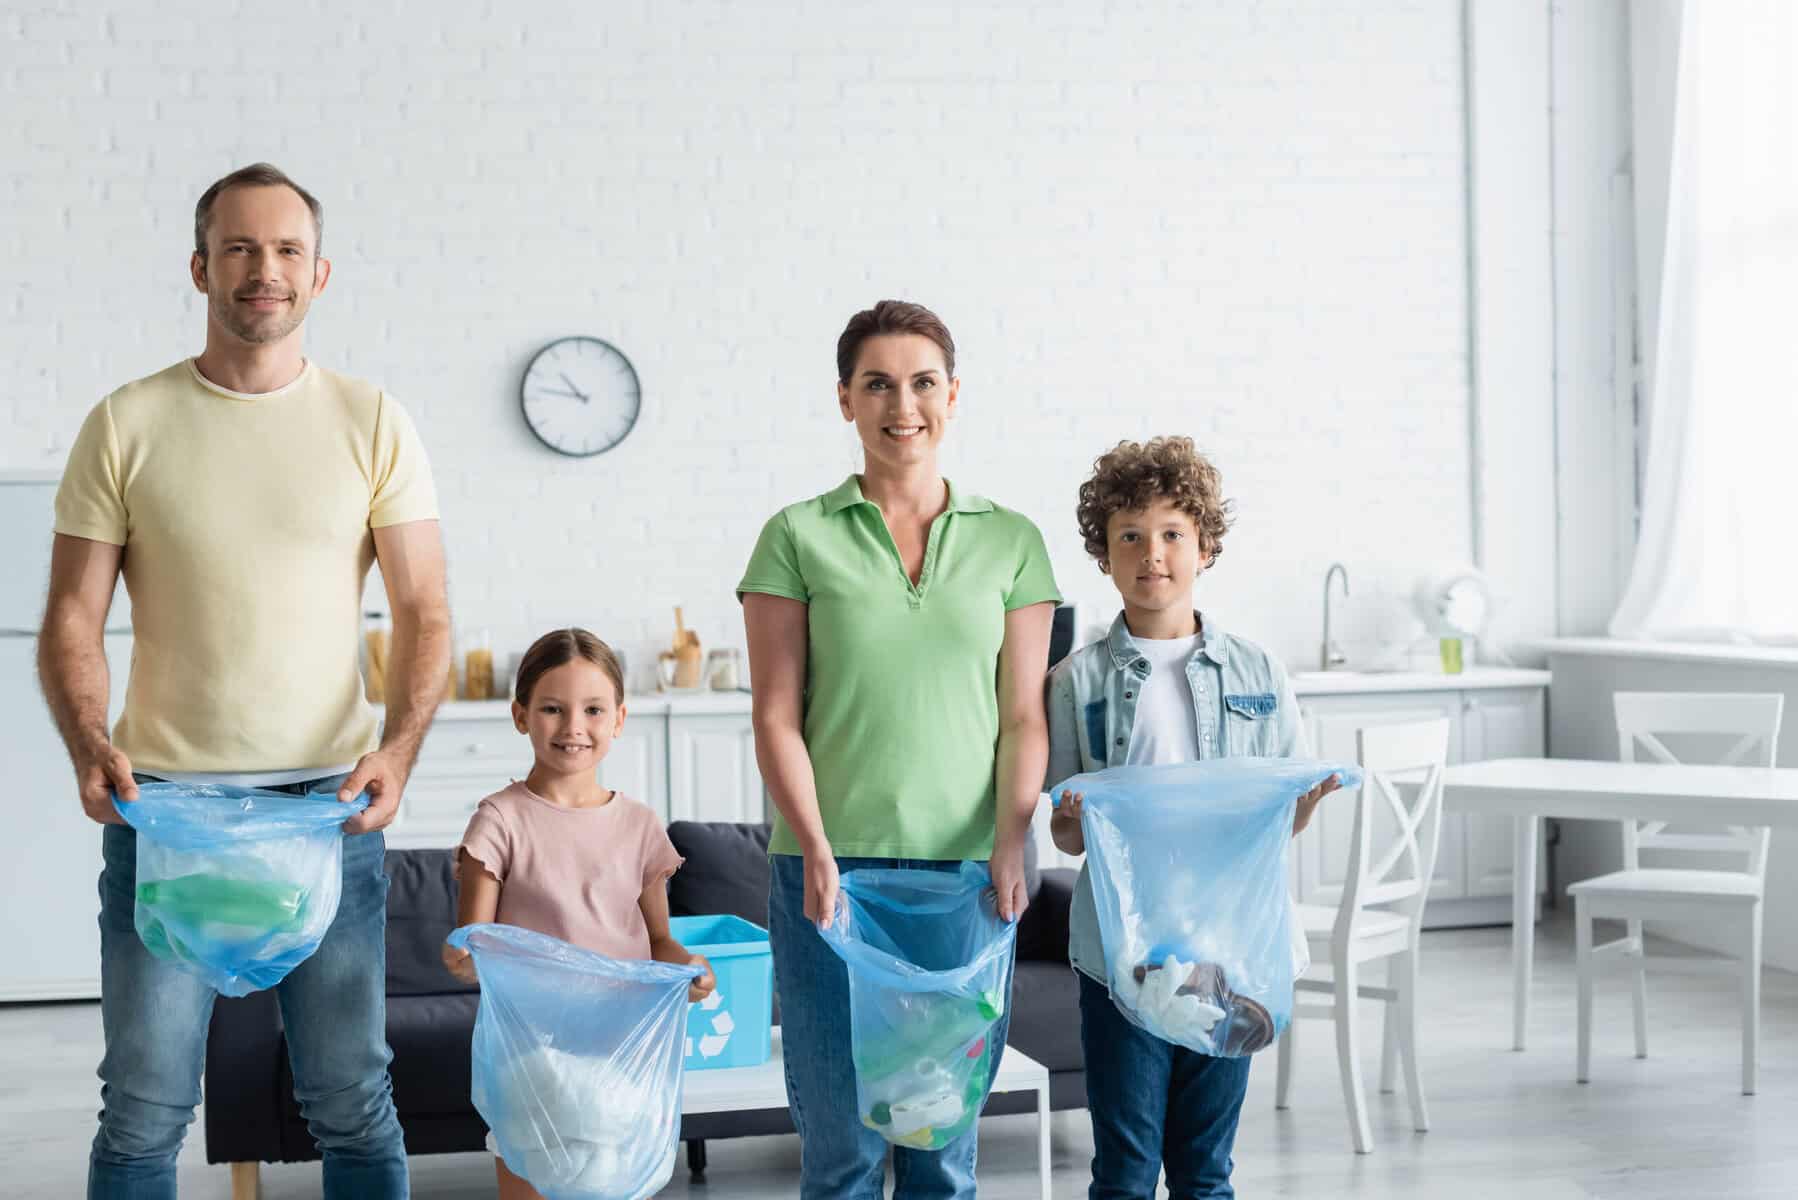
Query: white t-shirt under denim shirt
1167,719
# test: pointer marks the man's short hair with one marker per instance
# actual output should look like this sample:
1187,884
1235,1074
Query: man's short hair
256,175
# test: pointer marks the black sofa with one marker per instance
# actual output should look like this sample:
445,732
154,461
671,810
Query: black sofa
251,1115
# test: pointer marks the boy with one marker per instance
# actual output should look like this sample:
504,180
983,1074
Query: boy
1165,686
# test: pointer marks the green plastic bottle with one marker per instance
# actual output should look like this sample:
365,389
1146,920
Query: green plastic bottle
217,899
941,1031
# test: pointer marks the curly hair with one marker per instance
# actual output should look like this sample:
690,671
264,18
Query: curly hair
1133,475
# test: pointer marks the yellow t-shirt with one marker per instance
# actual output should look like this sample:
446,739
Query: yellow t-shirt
246,522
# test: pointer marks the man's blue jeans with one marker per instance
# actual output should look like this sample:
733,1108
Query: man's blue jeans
1153,1102
840,1158
334,1009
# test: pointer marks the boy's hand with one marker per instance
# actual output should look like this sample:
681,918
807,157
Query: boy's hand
706,984
460,963
1068,807
1308,802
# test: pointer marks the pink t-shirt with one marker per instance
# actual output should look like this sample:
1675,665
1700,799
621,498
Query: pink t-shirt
573,873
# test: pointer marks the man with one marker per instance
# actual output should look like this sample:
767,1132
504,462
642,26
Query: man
244,494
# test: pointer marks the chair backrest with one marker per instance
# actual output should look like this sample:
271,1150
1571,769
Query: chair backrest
1751,718
1403,765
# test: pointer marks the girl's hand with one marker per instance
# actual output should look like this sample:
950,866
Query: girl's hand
821,888
460,963
706,984
1308,802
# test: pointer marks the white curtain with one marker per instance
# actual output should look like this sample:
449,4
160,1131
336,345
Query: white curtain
1717,555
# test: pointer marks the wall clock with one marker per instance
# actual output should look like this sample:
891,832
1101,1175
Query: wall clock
580,396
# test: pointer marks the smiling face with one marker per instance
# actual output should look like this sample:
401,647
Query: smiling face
1153,556
573,715
261,268
900,398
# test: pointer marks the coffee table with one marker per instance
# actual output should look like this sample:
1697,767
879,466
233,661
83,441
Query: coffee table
743,1089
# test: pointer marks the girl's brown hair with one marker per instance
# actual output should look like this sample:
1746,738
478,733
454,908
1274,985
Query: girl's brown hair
1133,475
556,649
892,316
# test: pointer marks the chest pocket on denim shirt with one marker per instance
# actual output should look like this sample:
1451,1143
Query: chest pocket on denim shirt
1251,726
1095,732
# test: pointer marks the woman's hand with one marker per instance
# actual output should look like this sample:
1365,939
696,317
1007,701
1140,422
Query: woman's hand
706,984
820,887
1009,891
1308,802
460,963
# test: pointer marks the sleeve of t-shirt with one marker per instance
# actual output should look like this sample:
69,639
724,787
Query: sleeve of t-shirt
90,502
403,489
773,568
488,841
660,858
1034,580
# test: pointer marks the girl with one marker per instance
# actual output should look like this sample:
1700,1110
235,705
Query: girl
558,853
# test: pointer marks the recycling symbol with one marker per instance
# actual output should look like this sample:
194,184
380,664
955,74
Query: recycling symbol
711,1045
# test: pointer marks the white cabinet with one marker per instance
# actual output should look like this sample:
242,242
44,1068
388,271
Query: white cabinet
712,772
50,858
1331,723
1507,724
1472,883
687,759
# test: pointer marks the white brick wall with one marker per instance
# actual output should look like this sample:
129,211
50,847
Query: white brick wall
1242,221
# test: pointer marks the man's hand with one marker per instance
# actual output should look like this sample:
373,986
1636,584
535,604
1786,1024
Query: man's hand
382,774
100,770
1009,892
1308,802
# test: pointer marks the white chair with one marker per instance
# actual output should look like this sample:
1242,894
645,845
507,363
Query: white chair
1380,915
1718,898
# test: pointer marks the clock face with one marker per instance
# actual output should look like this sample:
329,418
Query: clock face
580,396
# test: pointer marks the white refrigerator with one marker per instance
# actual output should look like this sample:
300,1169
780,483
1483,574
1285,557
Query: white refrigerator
49,850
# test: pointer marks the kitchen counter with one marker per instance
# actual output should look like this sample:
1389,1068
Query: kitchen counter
1347,683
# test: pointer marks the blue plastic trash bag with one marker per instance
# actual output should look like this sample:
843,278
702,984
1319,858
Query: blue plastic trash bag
236,885
577,1062
929,962
1188,870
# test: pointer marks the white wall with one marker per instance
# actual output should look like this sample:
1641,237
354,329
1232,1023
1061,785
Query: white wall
1246,222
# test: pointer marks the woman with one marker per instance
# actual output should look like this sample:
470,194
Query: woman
898,634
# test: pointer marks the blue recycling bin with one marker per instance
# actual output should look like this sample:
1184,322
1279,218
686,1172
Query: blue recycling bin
732,1027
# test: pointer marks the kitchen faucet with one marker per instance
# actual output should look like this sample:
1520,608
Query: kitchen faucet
1332,656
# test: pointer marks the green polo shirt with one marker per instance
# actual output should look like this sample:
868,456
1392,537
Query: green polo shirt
901,691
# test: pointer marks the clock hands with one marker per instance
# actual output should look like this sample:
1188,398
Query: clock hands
575,391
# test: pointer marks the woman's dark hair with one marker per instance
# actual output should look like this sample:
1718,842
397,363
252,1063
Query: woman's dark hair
557,649
888,317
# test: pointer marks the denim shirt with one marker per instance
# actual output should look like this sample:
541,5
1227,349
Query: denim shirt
1242,698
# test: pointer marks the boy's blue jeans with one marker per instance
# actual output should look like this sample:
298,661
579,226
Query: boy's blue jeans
333,1007
1153,1102
840,1158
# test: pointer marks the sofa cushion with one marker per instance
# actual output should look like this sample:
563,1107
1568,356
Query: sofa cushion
421,911
431,1036
1045,1015
726,870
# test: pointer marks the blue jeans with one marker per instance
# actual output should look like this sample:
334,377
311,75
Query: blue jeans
840,1158
1153,1102
334,1009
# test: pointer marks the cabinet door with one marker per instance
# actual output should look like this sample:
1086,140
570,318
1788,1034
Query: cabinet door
1331,723
712,772
637,763
50,859
1497,724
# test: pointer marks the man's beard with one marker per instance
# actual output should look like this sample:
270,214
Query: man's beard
259,329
